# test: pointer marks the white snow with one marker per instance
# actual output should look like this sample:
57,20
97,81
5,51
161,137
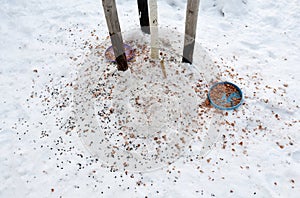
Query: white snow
254,44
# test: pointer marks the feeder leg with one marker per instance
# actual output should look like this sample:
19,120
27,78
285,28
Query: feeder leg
154,28
190,30
144,16
114,29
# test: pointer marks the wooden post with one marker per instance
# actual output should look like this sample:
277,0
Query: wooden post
143,15
114,29
190,30
153,28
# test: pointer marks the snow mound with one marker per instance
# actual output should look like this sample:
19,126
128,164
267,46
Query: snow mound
142,119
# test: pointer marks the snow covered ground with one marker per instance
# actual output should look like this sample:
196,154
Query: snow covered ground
255,44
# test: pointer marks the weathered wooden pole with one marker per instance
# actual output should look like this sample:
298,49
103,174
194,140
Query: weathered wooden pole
114,29
153,28
144,15
190,30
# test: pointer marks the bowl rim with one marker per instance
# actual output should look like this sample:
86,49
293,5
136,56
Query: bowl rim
129,58
222,107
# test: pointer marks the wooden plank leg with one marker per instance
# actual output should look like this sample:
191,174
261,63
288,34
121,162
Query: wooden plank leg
144,15
114,29
190,30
